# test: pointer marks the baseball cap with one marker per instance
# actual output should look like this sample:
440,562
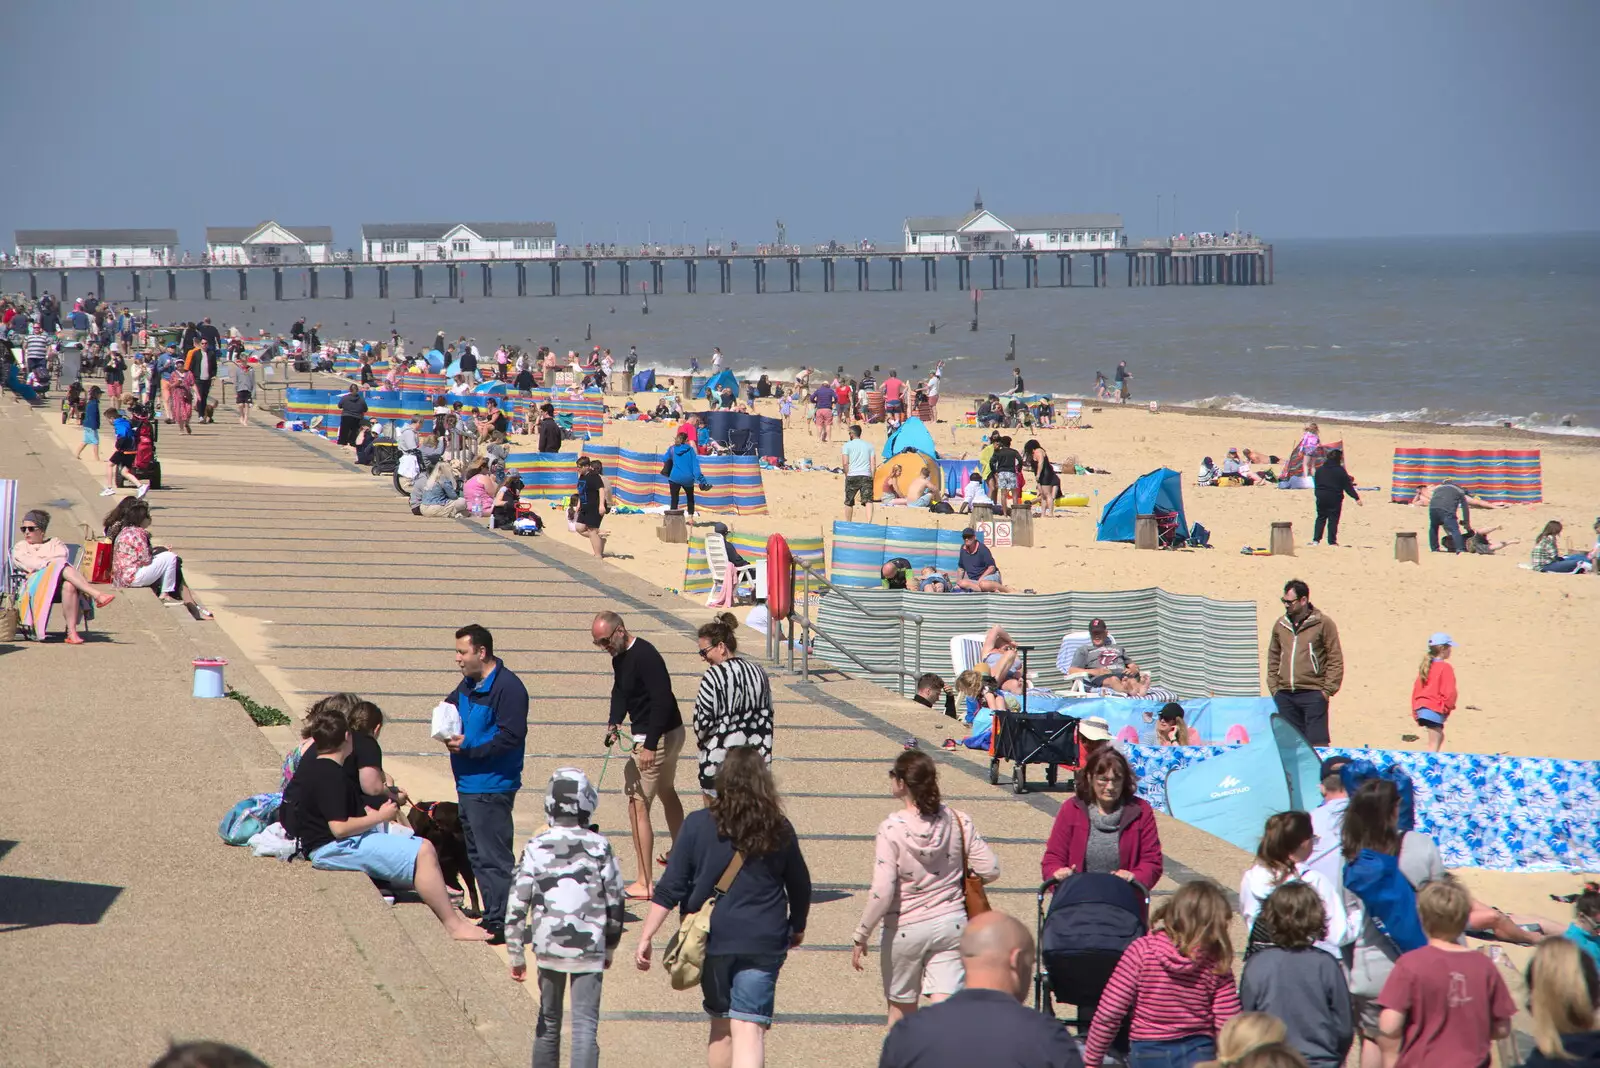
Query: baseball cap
1097,626
1094,729
1333,765
1441,638
968,532
1170,710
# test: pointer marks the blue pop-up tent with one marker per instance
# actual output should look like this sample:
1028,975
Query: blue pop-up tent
911,434
1232,794
715,383
1159,491
435,360
644,381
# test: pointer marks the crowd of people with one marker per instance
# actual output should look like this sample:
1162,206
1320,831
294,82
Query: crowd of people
1353,927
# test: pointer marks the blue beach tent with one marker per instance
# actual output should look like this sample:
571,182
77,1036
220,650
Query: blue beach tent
1232,794
715,383
1159,491
911,434
644,381
435,360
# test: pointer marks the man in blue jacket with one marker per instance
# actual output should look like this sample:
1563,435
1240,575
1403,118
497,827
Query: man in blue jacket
682,464
486,759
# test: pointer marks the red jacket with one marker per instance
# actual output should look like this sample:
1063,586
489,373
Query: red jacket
1138,841
1439,692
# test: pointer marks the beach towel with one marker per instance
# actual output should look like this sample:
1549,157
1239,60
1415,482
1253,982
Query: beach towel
1512,475
38,596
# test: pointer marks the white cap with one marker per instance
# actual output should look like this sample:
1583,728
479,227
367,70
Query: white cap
1094,729
1441,638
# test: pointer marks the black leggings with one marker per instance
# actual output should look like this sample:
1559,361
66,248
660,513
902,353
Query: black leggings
1328,513
688,492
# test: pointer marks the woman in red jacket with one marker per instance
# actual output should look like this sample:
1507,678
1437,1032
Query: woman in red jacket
1433,695
1104,827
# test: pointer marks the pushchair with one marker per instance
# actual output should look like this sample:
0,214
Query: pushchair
1092,918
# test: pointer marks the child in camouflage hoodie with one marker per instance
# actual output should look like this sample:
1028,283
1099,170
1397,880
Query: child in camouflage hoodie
568,895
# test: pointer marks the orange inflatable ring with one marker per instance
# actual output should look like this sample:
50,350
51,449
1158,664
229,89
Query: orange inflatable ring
903,469
780,578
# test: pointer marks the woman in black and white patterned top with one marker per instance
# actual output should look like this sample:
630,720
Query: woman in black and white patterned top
734,705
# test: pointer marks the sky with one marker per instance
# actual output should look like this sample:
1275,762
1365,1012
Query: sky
706,118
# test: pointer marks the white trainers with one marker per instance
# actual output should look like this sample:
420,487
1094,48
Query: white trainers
108,492
144,487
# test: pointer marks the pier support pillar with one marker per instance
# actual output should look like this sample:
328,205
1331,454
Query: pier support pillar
383,283
1269,265
725,276
416,281
622,278
591,278
244,285
794,275
63,293
688,276
100,285
658,277
488,280
205,284
555,278
313,279
827,276
760,270
33,286
349,283
454,273
863,275
522,279
277,283
138,284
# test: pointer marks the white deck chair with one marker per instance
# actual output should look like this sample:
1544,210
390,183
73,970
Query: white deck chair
1073,416
964,649
1071,642
717,561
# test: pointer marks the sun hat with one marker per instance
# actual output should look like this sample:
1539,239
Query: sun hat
1094,729
1441,638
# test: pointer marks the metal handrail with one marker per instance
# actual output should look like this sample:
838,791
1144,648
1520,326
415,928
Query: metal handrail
809,628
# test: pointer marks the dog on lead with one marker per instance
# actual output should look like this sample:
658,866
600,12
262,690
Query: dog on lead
440,823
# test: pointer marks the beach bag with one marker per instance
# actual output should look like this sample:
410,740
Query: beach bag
10,619
685,955
249,818
1199,537
666,467
973,895
1357,772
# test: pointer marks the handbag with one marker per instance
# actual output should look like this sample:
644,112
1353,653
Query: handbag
685,956
10,619
666,467
100,562
973,894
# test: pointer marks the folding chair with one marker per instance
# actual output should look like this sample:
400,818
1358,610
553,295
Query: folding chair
964,649
1073,416
717,561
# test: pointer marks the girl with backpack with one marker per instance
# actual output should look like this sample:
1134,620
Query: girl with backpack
1176,983
1280,860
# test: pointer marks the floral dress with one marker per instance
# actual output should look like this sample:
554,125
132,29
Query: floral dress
129,554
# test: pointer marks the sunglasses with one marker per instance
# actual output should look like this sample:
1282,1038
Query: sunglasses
705,654
605,642
27,528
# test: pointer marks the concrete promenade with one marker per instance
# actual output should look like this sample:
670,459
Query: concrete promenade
321,580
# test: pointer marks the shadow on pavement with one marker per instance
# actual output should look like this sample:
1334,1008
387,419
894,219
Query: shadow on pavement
27,902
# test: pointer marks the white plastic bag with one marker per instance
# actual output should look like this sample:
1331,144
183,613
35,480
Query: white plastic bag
446,721
408,467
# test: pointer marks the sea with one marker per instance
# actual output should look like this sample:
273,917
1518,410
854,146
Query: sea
1466,331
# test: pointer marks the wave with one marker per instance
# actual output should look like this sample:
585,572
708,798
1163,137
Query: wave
1543,422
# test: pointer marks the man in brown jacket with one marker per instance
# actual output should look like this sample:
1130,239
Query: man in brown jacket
1305,666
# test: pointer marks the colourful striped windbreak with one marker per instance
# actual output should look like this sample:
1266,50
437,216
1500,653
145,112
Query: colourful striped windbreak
860,550
635,478
351,365
1194,646
753,547
385,407
588,412
425,381
1493,474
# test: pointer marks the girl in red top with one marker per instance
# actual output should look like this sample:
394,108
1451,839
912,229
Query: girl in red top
1433,695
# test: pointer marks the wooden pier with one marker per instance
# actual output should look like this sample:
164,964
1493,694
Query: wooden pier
1172,263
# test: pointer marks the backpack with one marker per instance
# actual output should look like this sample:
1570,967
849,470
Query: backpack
249,818
1359,771
1199,537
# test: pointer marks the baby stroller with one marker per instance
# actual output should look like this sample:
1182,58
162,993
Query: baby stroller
1092,918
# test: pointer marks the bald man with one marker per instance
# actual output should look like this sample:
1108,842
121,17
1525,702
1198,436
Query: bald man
986,1023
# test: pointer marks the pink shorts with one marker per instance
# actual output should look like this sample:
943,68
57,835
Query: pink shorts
824,415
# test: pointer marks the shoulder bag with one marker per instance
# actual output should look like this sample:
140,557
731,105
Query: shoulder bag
972,891
685,956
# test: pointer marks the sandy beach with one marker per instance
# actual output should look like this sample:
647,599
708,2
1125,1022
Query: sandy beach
1503,616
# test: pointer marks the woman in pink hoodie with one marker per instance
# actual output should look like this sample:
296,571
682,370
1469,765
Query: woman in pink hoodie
1176,982
916,889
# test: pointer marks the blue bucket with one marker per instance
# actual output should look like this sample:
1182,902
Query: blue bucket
208,677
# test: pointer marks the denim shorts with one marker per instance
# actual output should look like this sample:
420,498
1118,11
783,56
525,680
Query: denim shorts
389,857
1429,717
91,436
1172,1053
741,986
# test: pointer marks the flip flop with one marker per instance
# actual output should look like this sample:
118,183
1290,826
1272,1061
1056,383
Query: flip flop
631,896
104,599
73,639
